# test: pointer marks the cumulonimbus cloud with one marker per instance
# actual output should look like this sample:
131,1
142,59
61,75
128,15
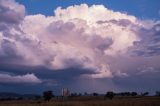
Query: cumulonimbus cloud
77,36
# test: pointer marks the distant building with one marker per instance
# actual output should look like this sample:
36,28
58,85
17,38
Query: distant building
65,92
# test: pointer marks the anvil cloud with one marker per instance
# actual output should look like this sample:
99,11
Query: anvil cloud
104,43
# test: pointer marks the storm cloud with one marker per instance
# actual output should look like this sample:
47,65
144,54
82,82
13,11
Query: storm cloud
80,41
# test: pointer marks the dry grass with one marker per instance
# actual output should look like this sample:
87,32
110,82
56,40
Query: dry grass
145,101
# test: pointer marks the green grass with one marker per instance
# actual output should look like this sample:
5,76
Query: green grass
145,101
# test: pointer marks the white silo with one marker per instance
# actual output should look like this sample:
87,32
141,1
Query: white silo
65,92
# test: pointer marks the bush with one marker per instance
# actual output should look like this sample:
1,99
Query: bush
47,95
134,93
109,95
95,94
157,93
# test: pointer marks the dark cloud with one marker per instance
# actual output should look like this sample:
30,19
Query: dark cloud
144,82
112,51
8,48
149,44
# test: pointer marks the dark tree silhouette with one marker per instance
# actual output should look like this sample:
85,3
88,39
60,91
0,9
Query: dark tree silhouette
47,95
145,94
73,95
157,93
109,95
79,94
85,93
125,94
134,93
95,94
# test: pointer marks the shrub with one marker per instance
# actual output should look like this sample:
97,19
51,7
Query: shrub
109,95
47,95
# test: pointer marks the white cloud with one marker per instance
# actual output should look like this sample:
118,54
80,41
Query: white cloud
28,78
71,39
90,14
77,36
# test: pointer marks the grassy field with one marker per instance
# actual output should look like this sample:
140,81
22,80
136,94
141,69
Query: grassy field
89,101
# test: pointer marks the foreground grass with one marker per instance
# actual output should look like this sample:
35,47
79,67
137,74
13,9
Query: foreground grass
145,101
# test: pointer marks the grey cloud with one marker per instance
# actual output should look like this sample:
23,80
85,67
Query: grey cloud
101,43
9,48
146,70
139,83
9,13
120,22
61,27
149,44
120,74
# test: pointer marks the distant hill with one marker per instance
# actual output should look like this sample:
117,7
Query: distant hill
9,95
16,95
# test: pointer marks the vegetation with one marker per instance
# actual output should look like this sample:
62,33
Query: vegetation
145,93
78,99
109,95
47,95
157,93
89,101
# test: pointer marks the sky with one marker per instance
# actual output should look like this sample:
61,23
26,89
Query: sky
85,46
144,9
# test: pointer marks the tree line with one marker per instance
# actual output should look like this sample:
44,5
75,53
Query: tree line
48,95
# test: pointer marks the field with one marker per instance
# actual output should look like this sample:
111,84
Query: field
89,101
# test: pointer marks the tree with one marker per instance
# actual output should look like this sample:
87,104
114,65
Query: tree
79,94
85,93
95,94
157,93
145,93
73,95
134,93
47,95
109,95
